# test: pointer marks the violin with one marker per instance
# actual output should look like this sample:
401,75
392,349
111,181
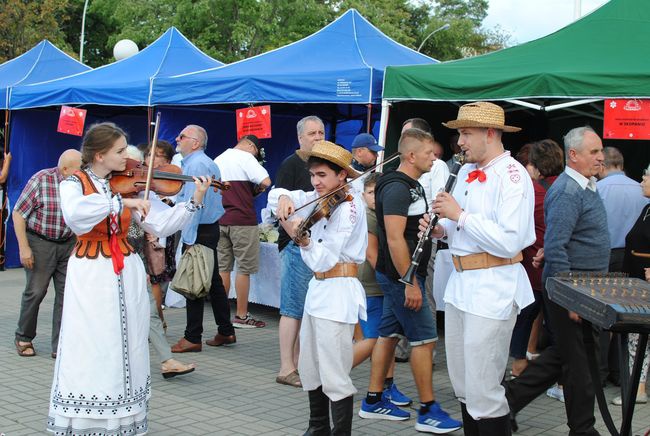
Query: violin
166,180
323,209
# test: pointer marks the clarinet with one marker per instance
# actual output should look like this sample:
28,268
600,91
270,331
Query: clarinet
408,277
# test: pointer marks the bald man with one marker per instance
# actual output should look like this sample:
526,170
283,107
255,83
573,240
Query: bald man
45,243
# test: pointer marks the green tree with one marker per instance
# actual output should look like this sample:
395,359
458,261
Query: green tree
465,36
24,23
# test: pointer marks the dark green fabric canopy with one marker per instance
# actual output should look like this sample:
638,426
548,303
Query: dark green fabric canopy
606,54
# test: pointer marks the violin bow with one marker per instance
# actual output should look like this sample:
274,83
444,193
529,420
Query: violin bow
332,192
152,156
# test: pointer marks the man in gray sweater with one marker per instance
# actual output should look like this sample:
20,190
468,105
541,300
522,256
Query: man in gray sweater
576,239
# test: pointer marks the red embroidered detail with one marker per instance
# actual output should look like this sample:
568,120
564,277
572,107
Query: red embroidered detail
476,175
116,254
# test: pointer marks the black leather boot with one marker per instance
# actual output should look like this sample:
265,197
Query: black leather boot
342,416
319,413
470,425
495,426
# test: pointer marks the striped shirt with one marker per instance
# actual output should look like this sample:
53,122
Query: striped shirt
40,205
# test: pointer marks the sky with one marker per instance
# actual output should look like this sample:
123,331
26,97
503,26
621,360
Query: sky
526,20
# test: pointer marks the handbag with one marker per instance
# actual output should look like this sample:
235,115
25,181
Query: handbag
154,254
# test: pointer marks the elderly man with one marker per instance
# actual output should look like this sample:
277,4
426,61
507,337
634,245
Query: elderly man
576,239
623,200
295,275
204,230
487,221
44,243
240,237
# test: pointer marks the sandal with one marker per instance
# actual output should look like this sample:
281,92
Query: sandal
291,379
178,369
22,349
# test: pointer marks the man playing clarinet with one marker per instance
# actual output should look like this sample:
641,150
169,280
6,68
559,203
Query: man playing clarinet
487,220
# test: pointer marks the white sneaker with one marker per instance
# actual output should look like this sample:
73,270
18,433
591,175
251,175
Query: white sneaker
640,399
556,392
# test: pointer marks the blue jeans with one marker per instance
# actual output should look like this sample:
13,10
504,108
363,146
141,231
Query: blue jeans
374,310
294,282
419,327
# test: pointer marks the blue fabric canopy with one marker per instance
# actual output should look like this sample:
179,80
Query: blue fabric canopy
123,83
43,62
342,63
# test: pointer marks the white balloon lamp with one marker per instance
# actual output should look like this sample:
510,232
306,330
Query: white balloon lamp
124,48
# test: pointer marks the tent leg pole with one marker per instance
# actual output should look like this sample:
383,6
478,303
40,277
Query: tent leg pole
369,118
383,127
149,117
3,200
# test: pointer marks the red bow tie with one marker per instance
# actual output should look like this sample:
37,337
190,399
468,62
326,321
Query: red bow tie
476,174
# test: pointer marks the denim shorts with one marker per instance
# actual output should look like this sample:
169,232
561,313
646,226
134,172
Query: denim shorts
374,309
294,282
398,321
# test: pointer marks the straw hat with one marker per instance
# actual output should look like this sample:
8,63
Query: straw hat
481,114
332,153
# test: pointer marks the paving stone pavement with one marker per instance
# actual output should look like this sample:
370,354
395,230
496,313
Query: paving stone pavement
233,391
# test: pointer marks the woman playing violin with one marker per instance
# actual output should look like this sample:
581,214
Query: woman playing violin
335,299
101,377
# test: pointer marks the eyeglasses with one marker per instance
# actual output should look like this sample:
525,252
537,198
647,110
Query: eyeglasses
183,136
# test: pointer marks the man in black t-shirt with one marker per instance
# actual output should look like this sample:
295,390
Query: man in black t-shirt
295,275
400,202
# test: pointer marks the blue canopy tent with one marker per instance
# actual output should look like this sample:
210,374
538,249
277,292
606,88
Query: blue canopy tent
126,83
123,83
43,62
343,63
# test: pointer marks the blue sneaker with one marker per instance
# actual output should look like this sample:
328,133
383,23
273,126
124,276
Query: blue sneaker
384,409
393,395
436,421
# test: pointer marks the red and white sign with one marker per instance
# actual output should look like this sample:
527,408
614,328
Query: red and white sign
627,119
71,121
254,121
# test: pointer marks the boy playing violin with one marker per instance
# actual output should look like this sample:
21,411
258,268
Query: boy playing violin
335,299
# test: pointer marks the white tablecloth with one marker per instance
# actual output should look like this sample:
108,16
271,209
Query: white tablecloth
265,284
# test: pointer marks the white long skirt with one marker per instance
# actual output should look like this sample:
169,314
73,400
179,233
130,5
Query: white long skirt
101,378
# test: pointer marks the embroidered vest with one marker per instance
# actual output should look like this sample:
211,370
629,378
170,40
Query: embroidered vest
94,242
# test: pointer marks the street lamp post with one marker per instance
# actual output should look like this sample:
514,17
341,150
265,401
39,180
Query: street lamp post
443,27
83,26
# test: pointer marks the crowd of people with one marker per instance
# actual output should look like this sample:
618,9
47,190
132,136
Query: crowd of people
490,229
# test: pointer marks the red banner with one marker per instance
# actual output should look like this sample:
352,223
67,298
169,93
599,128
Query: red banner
254,121
627,119
71,121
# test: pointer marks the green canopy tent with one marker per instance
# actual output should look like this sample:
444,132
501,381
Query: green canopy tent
603,55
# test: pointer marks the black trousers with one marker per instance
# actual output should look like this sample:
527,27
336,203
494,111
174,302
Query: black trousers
208,235
565,360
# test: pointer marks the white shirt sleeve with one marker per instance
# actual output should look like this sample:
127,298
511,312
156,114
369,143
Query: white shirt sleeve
298,197
163,220
83,212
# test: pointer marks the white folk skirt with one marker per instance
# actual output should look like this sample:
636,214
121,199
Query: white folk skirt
101,377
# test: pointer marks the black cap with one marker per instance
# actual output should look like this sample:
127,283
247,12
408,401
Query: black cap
252,138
